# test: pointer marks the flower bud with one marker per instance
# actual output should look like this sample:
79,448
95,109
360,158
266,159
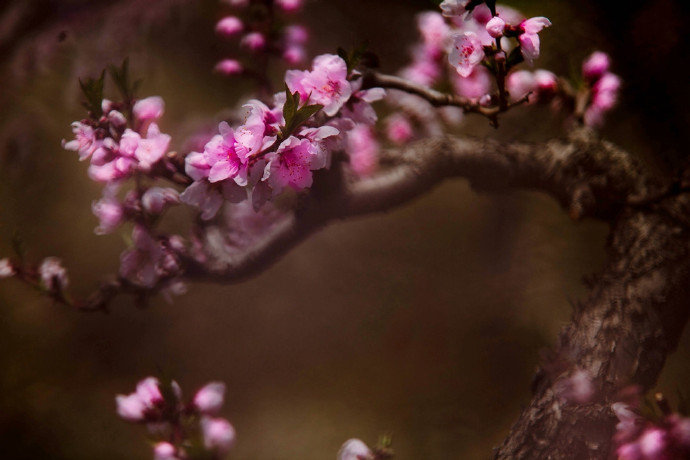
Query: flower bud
210,398
229,67
595,66
495,26
229,26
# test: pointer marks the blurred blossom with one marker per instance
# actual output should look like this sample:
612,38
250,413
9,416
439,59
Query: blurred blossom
399,129
219,434
229,26
6,268
254,41
53,274
595,66
150,108
209,399
229,67
164,451
355,449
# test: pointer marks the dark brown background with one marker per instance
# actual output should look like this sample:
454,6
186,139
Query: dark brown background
425,322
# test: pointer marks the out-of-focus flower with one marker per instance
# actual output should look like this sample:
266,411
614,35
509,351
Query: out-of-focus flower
156,199
363,149
150,108
164,451
219,434
399,129
209,399
355,449
229,67
6,268
595,66
254,41
53,274
452,8
229,26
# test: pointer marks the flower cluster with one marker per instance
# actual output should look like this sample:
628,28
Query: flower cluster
50,276
178,428
650,438
604,87
254,23
279,147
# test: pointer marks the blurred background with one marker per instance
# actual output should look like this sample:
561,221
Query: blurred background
425,322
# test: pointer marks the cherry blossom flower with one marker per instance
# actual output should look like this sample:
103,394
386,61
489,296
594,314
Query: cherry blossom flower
363,149
6,268
209,399
466,53
254,41
152,148
434,31
355,449
519,83
475,85
53,274
209,198
452,8
289,6
325,84
399,129
150,108
595,66
84,142
156,199
149,259
219,434
495,27
109,211
229,26
529,39
164,451
290,165
229,67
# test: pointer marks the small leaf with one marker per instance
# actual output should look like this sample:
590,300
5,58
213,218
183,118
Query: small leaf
93,91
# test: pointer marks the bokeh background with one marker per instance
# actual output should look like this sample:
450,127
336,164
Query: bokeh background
425,322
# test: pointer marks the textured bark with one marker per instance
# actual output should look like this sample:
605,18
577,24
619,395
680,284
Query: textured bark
621,335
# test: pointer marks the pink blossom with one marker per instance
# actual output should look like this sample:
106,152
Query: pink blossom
149,392
164,451
318,144
293,55
363,149
254,41
156,199
117,119
475,85
109,211
355,449
84,140
219,434
150,108
529,39
545,81
653,443
629,451
495,27
290,165
152,148
289,6
209,198
53,274
237,3
221,156
210,398
424,69
6,268
325,84
519,83
130,407
434,31
604,98
577,388
229,26
296,34
595,66
229,67
466,53
148,260
399,129
452,8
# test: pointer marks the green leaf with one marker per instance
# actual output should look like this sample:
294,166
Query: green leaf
93,91
120,76
304,113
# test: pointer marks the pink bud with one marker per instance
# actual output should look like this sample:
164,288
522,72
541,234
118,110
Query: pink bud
6,268
148,391
130,407
652,443
296,34
595,66
109,212
546,82
289,6
229,26
210,398
156,199
164,451
255,41
218,434
294,55
495,27
399,129
237,3
355,449
229,67
485,100
519,83
150,108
